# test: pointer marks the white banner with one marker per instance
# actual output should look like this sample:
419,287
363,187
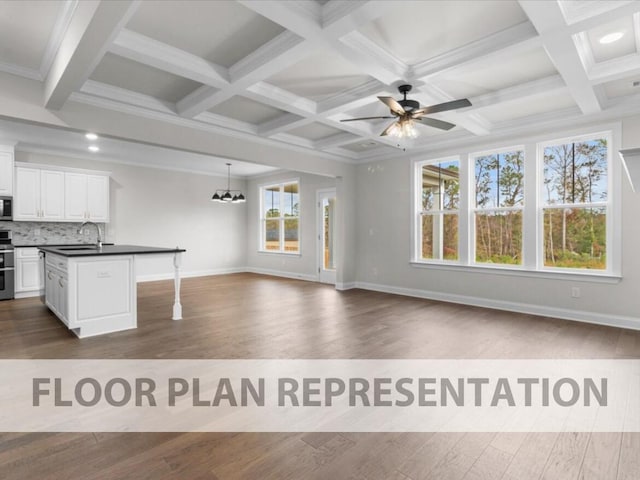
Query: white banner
319,395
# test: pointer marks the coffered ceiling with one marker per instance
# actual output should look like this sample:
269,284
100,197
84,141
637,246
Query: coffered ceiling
286,72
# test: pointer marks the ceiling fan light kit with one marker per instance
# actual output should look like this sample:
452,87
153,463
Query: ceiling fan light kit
407,113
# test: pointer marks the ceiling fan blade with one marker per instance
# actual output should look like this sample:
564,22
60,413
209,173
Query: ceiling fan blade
363,118
387,130
442,107
394,106
432,122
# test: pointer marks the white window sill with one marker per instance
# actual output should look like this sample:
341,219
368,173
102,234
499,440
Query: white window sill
573,275
272,252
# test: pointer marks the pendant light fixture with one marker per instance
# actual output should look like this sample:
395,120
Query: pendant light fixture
228,195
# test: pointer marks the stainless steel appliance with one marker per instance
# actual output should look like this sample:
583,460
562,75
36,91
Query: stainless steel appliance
6,208
7,266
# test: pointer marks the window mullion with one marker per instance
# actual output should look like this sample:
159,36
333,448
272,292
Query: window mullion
532,217
465,217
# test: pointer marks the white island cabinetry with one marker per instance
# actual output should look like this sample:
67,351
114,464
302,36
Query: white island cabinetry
92,295
93,290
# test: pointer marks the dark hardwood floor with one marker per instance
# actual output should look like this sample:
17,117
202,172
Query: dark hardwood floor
253,316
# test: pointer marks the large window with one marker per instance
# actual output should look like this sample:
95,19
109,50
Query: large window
440,201
280,217
575,204
499,201
544,206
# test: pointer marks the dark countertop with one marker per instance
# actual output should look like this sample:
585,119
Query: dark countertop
38,245
68,251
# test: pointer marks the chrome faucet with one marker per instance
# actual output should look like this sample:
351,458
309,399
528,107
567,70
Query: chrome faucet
99,239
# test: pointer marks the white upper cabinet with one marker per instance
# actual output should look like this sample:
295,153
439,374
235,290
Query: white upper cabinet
98,198
86,197
75,196
6,171
27,195
52,195
39,194
60,196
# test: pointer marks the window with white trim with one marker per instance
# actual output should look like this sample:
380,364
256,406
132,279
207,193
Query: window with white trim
440,201
543,206
575,203
499,207
280,217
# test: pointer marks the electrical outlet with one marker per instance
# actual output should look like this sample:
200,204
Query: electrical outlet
575,292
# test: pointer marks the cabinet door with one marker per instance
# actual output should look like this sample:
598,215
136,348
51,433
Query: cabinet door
98,198
50,290
75,196
6,174
28,275
52,195
63,298
27,195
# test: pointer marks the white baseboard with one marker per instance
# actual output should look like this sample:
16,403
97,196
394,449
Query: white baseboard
345,286
279,273
197,273
621,321
32,293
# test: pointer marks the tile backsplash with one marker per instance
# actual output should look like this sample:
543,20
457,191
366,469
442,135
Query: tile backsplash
40,233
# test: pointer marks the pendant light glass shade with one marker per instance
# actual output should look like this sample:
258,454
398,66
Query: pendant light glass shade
228,195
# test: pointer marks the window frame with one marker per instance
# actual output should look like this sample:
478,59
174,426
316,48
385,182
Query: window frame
418,211
262,218
611,194
474,209
532,241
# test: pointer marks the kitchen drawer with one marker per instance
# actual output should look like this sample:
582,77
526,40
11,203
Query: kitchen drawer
56,261
27,252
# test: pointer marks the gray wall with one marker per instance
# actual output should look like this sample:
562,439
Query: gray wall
303,265
384,220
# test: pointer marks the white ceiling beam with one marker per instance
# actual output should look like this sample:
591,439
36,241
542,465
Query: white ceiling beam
616,69
110,92
502,45
65,14
343,102
91,30
550,24
342,17
543,86
335,141
281,124
282,99
153,53
595,19
277,54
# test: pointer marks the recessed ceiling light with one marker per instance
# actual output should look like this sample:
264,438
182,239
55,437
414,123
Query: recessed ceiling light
94,148
611,37
91,136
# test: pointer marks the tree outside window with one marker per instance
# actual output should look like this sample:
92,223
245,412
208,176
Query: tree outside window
499,183
575,204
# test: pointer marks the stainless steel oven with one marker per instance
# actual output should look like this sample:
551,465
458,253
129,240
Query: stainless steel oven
6,208
7,266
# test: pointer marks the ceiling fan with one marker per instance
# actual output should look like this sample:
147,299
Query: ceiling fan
408,112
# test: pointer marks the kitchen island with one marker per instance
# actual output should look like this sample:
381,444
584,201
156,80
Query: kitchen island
92,290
